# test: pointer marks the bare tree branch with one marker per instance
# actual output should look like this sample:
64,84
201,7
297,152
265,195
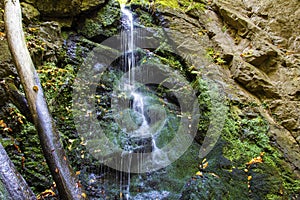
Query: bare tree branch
67,183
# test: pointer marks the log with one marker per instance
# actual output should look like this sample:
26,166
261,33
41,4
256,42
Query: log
15,186
64,177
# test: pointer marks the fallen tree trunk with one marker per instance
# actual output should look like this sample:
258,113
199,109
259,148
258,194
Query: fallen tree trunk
15,187
66,181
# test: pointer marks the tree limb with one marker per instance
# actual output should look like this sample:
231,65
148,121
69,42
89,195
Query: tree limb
13,182
66,181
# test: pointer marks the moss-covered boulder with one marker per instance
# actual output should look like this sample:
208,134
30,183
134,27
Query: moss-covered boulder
101,24
62,8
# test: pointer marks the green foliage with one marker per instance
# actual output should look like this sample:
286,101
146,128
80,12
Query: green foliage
34,42
204,101
182,5
158,3
168,3
55,79
145,18
57,84
22,144
246,139
216,56
190,5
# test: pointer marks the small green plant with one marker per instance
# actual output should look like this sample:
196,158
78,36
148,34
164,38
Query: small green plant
53,79
224,29
33,41
216,56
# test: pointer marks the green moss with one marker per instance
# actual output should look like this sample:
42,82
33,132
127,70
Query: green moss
145,18
158,3
168,3
246,139
23,147
104,24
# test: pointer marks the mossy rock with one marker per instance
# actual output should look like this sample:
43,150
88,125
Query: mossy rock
102,24
64,8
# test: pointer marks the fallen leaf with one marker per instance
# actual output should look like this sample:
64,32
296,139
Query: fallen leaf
83,195
199,173
249,178
205,165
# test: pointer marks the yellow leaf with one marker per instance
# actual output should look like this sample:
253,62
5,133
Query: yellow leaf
7,129
2,124
199,173
83,195
249,178
46,193
32,29
205,165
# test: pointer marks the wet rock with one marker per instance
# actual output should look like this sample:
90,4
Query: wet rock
152,195
87,5
58,8
237,20
44,42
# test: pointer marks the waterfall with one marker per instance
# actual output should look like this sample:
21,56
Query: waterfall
138,105
128,43
128,47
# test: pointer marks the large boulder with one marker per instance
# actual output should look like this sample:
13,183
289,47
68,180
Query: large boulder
101,24
64,8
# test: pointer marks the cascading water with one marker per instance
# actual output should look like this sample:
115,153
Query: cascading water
128,47
138,104
128,42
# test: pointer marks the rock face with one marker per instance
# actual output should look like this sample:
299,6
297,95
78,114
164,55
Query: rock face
267,47
260,47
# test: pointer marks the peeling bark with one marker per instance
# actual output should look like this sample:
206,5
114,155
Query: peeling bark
66,181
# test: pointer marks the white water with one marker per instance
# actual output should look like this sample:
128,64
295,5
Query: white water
128,42
128,47
138,102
